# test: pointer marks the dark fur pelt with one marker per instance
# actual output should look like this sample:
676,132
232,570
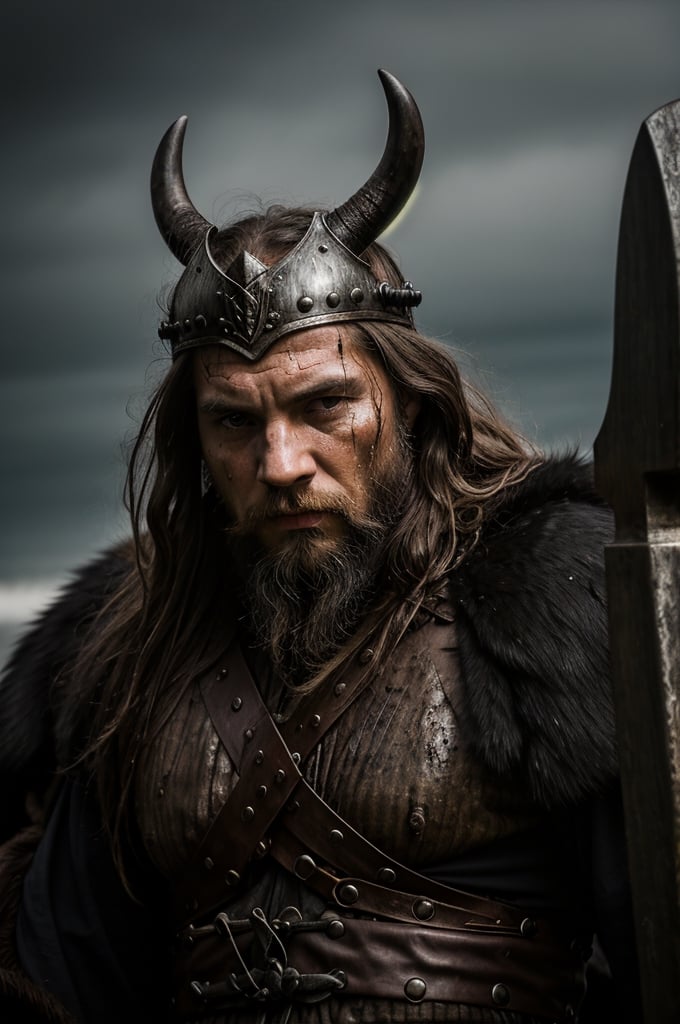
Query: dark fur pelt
531,627
29,721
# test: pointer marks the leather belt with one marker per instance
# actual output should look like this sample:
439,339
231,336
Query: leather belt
359,958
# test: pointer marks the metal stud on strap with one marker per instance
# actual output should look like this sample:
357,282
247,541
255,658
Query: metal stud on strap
415,989
500,995
304,866
348,893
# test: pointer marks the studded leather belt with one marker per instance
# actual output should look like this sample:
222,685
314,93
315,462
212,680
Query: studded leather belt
348,957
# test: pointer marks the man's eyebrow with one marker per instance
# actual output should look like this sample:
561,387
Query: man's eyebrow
218,405
336,384
346,384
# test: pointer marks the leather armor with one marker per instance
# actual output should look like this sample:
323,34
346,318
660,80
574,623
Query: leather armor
390,761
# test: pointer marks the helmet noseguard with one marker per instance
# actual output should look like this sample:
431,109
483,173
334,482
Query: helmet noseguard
248,305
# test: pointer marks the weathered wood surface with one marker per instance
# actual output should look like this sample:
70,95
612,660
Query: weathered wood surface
637,462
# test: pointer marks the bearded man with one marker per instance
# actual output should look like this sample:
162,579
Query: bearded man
331,739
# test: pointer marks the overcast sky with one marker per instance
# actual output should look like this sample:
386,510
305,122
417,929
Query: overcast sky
531,108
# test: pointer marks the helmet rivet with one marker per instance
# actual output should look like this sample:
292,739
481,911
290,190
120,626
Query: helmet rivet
356,295
323,248
332,300
305,303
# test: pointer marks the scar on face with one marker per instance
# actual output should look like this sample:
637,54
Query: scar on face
376,395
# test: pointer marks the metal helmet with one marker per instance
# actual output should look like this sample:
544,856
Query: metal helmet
248,305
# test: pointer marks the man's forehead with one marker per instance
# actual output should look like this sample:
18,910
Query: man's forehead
303,354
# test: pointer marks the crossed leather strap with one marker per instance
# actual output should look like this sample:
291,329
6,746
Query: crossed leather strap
272,811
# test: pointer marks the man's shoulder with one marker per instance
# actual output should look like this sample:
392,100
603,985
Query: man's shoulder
532,620
552,518
50,644
53,637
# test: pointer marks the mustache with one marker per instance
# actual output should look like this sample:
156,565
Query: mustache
282,503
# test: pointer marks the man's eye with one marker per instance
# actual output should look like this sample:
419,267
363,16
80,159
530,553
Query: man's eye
234,420
328,402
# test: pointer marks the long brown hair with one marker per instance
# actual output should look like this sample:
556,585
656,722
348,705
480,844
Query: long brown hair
158,631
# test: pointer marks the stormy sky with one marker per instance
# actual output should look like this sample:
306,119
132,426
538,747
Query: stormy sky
531,108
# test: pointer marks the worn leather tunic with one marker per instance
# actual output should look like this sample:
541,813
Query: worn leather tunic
395,766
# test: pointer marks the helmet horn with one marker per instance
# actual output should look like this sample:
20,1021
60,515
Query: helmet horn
179,222
357,223
367,213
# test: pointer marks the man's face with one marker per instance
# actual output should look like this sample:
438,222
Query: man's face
296,441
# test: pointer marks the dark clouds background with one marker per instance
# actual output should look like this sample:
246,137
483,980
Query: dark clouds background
531,108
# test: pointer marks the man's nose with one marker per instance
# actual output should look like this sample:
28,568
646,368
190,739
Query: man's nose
285,458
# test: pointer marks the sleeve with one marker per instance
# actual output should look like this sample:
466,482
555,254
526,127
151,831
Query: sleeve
101,951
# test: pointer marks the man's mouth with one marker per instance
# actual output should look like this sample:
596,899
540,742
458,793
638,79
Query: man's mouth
298,520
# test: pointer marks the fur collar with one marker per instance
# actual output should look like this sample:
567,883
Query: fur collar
532,629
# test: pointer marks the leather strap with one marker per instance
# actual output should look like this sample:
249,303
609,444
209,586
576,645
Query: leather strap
385,960
268,773
380,960
311,826
315,715
269,781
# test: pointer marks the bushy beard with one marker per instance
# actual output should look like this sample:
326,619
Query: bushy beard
304,601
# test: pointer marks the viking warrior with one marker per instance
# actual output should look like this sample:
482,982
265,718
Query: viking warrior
331,738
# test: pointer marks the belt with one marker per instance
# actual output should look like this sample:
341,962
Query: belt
255,962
